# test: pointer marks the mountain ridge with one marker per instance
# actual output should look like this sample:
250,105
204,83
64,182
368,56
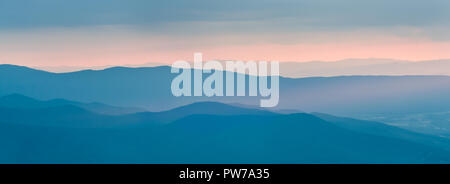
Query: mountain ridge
16,100
347,67
360,97
205,132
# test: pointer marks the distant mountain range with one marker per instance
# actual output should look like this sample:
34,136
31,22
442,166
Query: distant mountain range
363,67
346,67
375,67
206,132
149,88
64,69
23,102
389,99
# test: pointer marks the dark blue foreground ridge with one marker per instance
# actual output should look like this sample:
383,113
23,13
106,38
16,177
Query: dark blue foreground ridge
205,132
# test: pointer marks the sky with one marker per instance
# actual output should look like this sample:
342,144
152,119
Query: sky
120,32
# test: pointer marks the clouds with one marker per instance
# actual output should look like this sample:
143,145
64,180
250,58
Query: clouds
318,14
101,32
417,18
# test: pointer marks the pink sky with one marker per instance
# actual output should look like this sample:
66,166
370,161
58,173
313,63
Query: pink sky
89,48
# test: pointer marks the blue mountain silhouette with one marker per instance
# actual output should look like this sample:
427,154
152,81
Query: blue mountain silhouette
149,88
24,102
418,103
207,132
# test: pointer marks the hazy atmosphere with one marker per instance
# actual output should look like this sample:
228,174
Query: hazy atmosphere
357,82
111,32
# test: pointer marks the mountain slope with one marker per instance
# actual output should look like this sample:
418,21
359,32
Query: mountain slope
380,129
24,102
295,138
149,88
391,99
197,134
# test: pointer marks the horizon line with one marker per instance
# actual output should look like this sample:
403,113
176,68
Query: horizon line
280,75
